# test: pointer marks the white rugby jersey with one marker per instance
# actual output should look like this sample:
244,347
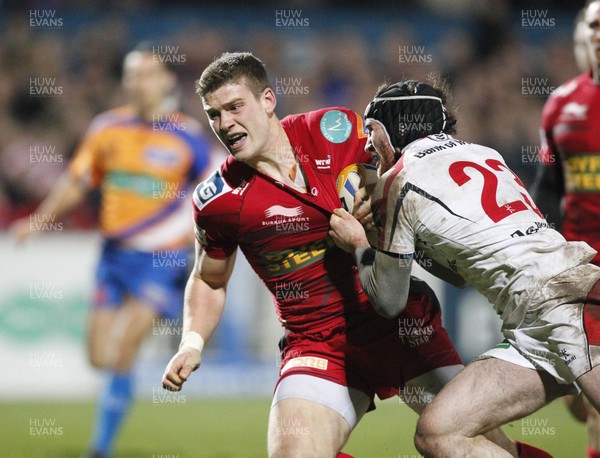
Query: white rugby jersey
459,204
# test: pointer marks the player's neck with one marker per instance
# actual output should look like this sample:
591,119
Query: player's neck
279,160
155,112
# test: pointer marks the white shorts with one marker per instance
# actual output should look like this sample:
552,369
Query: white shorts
506,352
351,403
555,335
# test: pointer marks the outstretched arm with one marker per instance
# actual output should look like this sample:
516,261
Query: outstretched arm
204,301
385,278
65,195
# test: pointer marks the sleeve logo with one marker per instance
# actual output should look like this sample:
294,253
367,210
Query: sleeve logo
335,126
209,189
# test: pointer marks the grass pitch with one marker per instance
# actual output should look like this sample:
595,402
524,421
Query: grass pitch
224,428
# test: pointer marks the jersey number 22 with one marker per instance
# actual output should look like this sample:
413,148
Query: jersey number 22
489,201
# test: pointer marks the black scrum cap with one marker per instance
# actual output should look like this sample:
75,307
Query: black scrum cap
408,111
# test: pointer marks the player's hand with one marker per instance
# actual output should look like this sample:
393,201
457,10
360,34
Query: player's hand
21,230
346,231
186,361
362,209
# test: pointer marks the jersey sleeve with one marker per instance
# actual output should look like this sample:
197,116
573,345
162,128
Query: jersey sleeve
213,224
86,166
342,134
551,113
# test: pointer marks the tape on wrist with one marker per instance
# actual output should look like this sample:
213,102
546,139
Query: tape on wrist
192,339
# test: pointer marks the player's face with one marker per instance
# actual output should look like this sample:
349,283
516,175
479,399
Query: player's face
241,120
592,19
379,144
147,81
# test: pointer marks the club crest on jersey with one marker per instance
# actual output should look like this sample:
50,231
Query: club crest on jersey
335,126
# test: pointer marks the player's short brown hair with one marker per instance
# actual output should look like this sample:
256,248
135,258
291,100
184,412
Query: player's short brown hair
234,67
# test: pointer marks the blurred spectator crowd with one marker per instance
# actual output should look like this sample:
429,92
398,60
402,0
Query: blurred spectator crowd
59,67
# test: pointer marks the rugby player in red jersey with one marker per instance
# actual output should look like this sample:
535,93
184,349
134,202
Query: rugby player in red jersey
570,171
570,150
273,198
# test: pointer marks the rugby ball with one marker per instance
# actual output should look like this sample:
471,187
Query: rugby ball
351,179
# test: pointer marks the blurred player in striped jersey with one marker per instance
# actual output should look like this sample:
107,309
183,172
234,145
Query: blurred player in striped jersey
567,187
145,158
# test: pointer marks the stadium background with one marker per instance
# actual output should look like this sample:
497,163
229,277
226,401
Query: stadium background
60,65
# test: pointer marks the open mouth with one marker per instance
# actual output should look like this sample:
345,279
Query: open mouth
236,140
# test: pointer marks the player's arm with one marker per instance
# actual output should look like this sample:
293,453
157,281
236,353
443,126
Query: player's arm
204,300
548,187
547,192
385,277
66,194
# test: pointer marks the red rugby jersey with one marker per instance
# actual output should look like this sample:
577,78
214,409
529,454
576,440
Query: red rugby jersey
571,139
284,233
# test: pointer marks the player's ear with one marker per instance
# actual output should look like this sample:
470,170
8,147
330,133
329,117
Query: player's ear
268,100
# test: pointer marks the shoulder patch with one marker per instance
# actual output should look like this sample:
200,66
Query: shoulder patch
335,126
209,189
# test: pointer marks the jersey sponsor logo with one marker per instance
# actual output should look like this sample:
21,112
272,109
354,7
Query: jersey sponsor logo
286,261
583,173
533,229
209,189
450,144
335,126
161,157
278,210
306,361
324,164
286,220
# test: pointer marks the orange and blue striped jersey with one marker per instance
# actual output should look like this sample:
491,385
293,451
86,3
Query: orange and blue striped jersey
145,172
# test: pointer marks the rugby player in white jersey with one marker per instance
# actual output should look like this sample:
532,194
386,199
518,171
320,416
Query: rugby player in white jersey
460,206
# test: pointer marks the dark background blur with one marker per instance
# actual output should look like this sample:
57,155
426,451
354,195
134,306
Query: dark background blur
501,57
